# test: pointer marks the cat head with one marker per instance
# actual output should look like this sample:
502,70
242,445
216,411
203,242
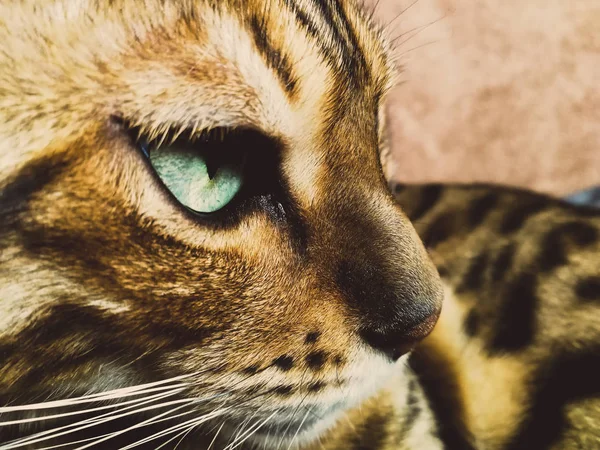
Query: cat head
192,193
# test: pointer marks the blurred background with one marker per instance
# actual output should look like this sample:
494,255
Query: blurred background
496,91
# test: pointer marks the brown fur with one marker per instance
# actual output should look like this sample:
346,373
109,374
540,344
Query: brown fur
108,282
300,302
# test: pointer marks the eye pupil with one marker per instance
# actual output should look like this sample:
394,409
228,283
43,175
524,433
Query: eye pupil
211,171
214,159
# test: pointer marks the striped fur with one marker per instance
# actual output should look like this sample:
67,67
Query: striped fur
284,322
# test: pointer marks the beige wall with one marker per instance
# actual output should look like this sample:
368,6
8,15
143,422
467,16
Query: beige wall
497,90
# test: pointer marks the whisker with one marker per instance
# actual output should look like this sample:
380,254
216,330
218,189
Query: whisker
94,422
131,407
299,427
195,421
149,421
109,434
249,433
240,429
68,444
184,436
173,429
413,32
186,427
391,22
85,411
27,440
417,47
108,395
302,400
214,439
184,432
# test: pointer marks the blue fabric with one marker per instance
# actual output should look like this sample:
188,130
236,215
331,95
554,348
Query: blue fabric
589,197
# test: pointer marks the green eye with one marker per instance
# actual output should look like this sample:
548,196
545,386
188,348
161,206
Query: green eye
202,175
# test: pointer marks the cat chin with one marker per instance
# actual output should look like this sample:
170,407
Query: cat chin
294,427
301,429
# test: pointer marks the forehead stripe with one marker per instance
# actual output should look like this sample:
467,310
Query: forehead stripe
341,51
340,25
276,60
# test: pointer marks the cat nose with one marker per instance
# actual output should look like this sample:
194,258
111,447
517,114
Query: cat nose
397,305
386,278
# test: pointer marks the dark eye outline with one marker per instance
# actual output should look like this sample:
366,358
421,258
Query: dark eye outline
262,187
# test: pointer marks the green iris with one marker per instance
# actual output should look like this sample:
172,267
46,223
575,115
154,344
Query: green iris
204,181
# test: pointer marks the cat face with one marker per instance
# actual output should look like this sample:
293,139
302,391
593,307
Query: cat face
193,191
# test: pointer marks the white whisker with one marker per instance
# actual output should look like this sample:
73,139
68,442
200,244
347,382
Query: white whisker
94,422
69,444
183,437
85,411
173,429
108,395
249,433
149,421
240,428
137,426
164,432
183,434
214,439
109,434
299,427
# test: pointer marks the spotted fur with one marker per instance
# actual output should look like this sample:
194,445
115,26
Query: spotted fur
286,321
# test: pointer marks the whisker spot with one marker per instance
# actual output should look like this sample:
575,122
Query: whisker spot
316,360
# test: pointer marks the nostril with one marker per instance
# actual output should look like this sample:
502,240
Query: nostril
393,346
397,341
